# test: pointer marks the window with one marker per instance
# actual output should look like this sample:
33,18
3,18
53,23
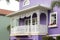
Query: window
26,2
27,21
34,21
53,19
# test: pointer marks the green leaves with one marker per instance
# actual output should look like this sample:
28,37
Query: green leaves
55,3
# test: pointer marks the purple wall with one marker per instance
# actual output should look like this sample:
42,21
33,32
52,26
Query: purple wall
12,38
35,2
57,29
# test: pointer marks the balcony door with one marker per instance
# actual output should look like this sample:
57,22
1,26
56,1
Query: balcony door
43,19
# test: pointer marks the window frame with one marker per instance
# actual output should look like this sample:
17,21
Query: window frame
27,22
51,19
25,4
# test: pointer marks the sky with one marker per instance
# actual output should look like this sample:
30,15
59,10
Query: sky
13,5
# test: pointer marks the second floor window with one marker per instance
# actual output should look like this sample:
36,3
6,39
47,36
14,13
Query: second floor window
34,21
27,21
53,19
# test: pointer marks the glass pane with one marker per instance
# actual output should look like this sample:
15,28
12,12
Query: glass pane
26,22
36,20
29,21
33,21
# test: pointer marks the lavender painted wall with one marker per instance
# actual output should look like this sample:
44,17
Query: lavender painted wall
57,29
12,38
36,37
35,2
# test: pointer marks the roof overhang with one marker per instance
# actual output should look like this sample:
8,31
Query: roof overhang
28,9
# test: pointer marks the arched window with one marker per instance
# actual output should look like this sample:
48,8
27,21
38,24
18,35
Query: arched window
34,19
43,18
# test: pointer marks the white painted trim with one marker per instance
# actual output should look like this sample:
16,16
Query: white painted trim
27,3
54,35
26,9
50,20
38,18
31,19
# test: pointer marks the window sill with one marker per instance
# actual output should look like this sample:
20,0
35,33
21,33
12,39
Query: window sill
52,26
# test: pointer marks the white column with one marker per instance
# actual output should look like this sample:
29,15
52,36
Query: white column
30,25
31,19
38,18
38,22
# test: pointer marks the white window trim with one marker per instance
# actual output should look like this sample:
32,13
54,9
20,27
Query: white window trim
26,4
50,20
35,20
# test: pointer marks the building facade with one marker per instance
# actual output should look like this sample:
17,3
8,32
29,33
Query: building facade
35,20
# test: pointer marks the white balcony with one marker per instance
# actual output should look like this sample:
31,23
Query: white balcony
29,30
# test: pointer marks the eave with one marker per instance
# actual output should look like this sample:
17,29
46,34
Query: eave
28,9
